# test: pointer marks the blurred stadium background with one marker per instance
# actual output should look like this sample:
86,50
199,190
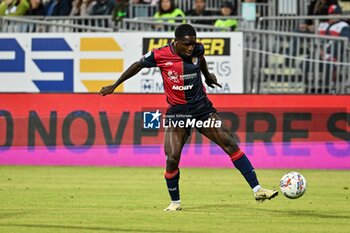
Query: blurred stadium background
286,83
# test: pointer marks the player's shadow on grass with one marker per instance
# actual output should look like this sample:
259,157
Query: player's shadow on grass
230,207
214,207
83,228
306,213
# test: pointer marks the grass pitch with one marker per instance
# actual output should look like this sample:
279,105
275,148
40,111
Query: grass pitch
107,199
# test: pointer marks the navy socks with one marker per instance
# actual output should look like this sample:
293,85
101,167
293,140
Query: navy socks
172,181
242,163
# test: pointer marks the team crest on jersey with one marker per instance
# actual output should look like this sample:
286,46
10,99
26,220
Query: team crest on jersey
195,60
173,76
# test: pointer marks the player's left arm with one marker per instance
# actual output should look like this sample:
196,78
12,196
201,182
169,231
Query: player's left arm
210,78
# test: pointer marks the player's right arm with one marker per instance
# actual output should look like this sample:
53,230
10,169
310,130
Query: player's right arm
128,73
146,61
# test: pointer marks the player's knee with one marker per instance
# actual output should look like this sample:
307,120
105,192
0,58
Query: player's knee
231,149
172,162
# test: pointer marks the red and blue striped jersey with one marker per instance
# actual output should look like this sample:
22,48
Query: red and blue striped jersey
181,75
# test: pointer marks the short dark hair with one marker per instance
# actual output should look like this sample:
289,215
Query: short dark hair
184,30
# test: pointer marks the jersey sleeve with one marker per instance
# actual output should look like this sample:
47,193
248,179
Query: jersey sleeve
148,60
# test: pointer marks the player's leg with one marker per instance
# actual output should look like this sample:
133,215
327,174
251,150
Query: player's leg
223,137
175,138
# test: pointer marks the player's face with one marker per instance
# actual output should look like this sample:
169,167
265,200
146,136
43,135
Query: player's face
185,45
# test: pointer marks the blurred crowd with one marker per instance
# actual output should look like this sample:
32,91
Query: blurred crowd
167,11
332,27
56,7
118,9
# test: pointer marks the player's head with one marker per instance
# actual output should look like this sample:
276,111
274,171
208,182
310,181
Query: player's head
184,30
185,39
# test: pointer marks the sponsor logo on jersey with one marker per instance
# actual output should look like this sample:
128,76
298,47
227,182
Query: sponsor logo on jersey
188,76
173,76
182,88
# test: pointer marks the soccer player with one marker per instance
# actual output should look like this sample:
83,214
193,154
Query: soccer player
181,63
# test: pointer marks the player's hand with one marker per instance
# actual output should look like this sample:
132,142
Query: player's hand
211,81
107,90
